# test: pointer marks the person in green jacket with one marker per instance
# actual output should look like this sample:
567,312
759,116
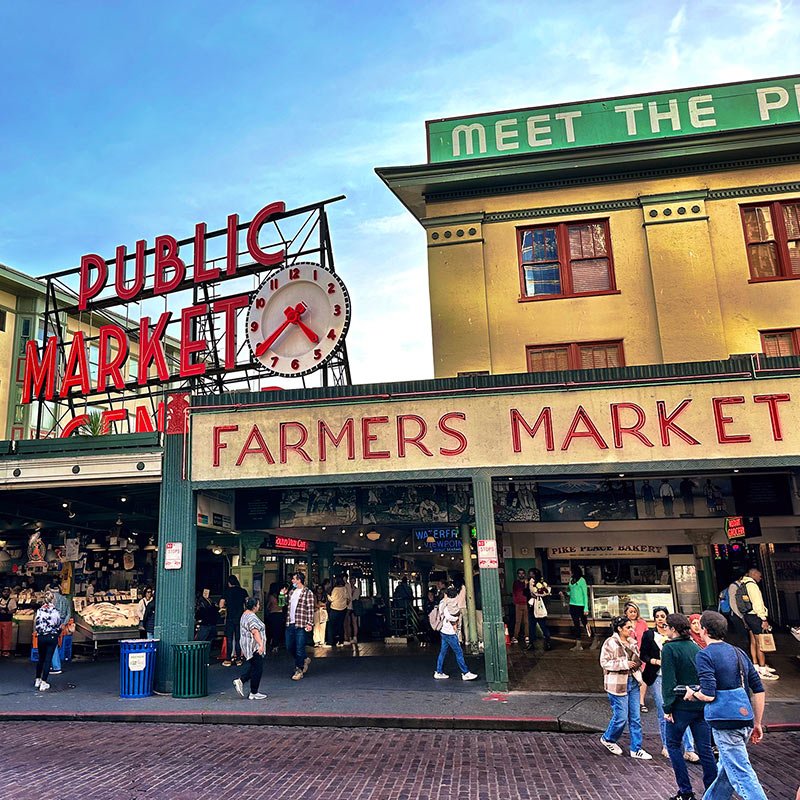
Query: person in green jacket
578,604
678,669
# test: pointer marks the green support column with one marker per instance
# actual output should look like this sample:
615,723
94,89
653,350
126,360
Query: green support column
175,588
472,619
325,553
494,639
701,543
382,562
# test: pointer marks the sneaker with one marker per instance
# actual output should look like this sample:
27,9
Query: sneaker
55,671
327,646
796,632
643,709
769,669
239,662
43,687
346,641
691,756
306,665
682,796
768,676
642,755
227,664
468,676
257,696
665,752
612,747
37,683
298,675
239,686
440,676
514,641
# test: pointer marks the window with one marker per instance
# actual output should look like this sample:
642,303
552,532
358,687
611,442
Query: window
772,234
133,368
2,319
781,343
566,260
581,355
24,335
94,362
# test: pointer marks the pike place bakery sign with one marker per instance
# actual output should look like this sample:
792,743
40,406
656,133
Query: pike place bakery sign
730,419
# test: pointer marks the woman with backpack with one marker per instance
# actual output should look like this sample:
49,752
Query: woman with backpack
47,625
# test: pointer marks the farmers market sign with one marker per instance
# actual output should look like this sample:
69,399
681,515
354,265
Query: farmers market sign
726,107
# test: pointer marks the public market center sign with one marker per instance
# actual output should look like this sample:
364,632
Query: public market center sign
724,420
724,107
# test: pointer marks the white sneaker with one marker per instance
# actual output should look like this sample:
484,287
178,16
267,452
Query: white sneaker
37,683
440,676
468,676
612,747
796,633
239,686
643,755
769,669
768,676
257,696
43,687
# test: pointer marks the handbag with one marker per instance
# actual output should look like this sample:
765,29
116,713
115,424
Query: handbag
539,608
731,705
766,642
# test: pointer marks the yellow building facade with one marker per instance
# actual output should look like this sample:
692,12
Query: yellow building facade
649,251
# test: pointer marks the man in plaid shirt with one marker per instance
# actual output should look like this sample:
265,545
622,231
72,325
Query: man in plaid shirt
299,623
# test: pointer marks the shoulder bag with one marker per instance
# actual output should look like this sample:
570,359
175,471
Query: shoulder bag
731,705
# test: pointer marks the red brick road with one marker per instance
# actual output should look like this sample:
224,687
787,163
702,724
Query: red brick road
64,761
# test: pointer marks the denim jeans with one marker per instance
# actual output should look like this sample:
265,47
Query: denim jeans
734,770
688,742
450,641
296,644
695,721
625,710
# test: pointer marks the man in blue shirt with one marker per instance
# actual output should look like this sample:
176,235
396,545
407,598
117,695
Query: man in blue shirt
720,667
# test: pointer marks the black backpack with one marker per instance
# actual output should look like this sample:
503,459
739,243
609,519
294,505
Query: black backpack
743,602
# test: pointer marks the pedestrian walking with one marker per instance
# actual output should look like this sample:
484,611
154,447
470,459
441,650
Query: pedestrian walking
8,605
725,673
320,616
299,623
252,640
619,658
695,632
450,616
338,609
232,602
47,624
653,641
678,669
520,595
633,613
750,603
275,617
353,605
538,589
729,608
578,605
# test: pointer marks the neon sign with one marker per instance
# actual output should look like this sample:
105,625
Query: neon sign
288,543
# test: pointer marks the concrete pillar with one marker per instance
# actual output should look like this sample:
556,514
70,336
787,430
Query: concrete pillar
472,619
701,543
494,640
175,588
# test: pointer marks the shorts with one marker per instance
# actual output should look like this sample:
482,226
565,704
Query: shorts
753,623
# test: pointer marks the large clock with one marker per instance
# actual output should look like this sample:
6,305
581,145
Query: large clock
297,319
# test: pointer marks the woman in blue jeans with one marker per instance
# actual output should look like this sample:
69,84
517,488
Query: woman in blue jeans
451,622
621,665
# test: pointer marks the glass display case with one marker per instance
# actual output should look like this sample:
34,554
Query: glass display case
606,602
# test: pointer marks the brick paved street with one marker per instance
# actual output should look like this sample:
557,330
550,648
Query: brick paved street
63,761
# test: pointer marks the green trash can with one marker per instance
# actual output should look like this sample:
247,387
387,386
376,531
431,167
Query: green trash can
190,669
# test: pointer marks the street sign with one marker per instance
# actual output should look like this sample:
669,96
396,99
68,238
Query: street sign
487,553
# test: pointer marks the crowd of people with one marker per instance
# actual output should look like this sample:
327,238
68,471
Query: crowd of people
708,695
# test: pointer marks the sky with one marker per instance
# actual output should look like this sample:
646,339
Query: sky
121,121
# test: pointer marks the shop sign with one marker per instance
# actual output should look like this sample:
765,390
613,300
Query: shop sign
487,553
137,661
677,422
595,552
173,555
289,543
734,527
445,540
617,120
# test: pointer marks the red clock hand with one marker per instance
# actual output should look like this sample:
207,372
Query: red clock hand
268,342
303,327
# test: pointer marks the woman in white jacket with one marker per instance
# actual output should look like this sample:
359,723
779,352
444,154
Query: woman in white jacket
450,615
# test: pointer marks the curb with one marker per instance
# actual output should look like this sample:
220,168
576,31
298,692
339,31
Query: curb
318,720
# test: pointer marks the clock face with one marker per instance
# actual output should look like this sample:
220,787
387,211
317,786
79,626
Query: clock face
297,319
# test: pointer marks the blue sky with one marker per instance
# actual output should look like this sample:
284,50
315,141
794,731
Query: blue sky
121,121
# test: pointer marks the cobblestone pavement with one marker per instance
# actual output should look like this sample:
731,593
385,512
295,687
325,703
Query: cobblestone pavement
63,761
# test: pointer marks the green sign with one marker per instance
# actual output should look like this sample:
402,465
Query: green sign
727,107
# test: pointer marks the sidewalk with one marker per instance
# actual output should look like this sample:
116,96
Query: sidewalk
381,690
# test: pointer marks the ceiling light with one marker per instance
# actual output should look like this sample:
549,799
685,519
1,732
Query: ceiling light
216,550
324,527
736,470
591,523
71,514
119,519
361,533
65,505
429,539
392,538
511,479
123,499
622,474
373,536
343,531
406,541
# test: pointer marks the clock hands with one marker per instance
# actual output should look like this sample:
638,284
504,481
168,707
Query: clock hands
292,317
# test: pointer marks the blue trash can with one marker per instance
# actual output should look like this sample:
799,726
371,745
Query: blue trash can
137,667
